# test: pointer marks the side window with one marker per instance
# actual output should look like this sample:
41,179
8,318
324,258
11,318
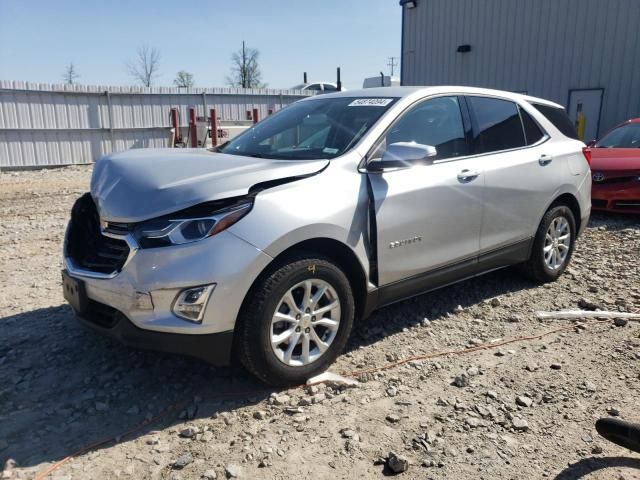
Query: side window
532,131
436,122
497,125
330,88
559,118
315,87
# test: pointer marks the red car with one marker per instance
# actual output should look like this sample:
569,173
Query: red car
615,169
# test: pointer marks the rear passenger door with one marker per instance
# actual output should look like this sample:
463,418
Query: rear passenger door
520,174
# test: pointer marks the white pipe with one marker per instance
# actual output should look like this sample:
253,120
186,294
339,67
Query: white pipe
570,314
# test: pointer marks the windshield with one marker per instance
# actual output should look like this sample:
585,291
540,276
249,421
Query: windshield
313,129
625,136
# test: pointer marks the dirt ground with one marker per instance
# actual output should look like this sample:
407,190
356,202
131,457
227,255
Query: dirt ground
521,411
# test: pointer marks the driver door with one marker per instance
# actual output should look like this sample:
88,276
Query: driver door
428,215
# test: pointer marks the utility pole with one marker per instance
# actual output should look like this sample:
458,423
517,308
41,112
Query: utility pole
392,63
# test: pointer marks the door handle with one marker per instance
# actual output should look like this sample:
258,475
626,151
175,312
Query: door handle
545,160
466,176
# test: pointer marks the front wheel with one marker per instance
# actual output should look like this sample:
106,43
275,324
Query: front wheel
553,245
296,320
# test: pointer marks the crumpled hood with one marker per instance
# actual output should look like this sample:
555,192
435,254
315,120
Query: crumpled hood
141,184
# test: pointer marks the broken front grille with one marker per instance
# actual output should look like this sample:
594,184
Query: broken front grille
87,246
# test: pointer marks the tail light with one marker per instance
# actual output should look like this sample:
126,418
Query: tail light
586,151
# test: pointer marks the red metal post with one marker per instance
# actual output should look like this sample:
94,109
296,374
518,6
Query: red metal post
193,133
174,115
256,116
214,127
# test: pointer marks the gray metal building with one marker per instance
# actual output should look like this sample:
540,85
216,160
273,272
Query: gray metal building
583,54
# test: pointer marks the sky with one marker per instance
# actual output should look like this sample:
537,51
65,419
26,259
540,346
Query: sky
39,37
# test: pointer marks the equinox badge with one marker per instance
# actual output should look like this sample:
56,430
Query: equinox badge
402,243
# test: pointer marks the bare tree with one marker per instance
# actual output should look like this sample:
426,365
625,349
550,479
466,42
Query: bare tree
144,68
245,71
70,74
184,79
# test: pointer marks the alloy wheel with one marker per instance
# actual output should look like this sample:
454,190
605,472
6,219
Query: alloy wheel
557,243
305,322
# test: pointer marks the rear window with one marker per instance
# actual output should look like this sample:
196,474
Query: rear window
497,125
559,118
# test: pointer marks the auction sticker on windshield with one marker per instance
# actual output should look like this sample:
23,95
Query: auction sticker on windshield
371,102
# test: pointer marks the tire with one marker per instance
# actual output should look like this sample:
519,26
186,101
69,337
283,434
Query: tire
255,330
540,267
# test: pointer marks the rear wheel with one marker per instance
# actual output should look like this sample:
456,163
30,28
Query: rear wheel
553,245
296,320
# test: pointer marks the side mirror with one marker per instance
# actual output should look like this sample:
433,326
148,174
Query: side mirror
592,143
404,155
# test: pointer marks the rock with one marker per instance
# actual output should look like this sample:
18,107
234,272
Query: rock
556,366
620,322
473,422
614,412
347,433
492,394
188,432
514,318
397,463
209,474
392,391
520,424
206,436
523,401
596,450
587,305
475,341
232,471
260,415
318,398
133,410
458,309
461,381
495,302
182,461
590,386
392,418
473,371
280,399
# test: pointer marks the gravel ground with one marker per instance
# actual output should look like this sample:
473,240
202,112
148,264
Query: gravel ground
523,410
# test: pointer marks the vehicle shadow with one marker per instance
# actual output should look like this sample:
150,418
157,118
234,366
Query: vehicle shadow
437,305
63,387
588,466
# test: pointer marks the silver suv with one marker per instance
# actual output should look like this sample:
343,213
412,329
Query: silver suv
269,248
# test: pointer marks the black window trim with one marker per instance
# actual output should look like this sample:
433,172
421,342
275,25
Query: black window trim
463,110
545,136
535,121
462,99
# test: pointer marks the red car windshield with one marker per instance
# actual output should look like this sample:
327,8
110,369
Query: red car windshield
625,136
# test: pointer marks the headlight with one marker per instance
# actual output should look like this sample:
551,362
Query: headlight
162,232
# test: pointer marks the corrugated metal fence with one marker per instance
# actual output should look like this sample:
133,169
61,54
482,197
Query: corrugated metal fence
43,125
